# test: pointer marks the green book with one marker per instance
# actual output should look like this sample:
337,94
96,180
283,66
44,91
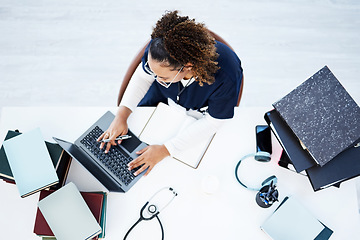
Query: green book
68,215
97,203
103,216
60,159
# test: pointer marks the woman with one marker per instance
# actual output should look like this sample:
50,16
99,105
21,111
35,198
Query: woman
183,63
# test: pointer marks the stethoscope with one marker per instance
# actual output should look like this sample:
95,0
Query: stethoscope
153,211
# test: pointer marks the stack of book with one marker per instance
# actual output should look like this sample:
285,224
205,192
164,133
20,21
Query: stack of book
33,164
95,201
317,125
68,214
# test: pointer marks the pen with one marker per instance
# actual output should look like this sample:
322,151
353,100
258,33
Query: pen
118,138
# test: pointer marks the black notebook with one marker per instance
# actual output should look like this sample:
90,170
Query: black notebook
322,115
299,157
343,167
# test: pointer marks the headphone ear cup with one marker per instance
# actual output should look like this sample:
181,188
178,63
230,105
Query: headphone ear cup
268,181
262,156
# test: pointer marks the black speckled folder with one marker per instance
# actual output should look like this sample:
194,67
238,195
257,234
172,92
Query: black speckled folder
322,115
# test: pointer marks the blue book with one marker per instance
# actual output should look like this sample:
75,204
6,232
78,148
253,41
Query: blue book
30,162
291,220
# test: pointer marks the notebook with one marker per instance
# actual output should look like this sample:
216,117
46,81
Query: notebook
110,169
165,123
344,166
30,162
322,115
292,221
68,215
299,157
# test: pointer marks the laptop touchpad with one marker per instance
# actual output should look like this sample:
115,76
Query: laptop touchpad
132,143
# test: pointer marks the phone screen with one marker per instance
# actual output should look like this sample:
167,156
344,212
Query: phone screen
263,138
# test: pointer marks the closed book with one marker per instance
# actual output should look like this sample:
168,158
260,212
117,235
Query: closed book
68,215
60,159
291,220
299,157
96,201
323,115
324,234
103,215
5,170
30,162
344,166
8,181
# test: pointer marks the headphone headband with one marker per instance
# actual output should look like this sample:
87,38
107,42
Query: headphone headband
261,157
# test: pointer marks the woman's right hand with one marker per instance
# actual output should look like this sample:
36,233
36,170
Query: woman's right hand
117,128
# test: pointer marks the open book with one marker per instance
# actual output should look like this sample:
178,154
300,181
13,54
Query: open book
165,123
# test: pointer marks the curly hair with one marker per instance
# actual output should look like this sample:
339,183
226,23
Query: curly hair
179,40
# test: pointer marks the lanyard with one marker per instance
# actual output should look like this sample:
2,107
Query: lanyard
180,92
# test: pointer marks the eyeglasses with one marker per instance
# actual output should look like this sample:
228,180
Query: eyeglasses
162,83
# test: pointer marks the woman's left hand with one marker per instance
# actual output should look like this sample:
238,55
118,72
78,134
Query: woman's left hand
149,157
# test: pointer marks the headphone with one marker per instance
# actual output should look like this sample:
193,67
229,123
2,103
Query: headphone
267,193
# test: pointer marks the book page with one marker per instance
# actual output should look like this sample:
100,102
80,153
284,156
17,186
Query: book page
165,123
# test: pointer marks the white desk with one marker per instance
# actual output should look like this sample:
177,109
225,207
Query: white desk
229,213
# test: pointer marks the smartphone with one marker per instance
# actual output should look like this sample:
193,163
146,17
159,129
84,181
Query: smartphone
263,138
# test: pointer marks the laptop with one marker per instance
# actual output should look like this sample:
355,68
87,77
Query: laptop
110,168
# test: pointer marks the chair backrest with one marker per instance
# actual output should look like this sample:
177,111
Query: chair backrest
136,61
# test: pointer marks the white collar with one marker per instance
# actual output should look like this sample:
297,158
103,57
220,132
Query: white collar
186,82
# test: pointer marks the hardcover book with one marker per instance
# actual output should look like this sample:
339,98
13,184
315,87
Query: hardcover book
291,220
96,201
30,162
323,116
60,159
68,215
344,166
300,158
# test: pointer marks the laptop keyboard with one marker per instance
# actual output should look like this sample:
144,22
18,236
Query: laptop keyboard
115,160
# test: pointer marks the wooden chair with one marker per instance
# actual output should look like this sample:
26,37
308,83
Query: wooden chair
136,61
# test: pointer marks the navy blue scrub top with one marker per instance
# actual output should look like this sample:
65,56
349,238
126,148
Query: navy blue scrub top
220,97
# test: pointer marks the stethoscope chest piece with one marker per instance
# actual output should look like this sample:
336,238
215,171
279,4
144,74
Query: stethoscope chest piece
152,209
